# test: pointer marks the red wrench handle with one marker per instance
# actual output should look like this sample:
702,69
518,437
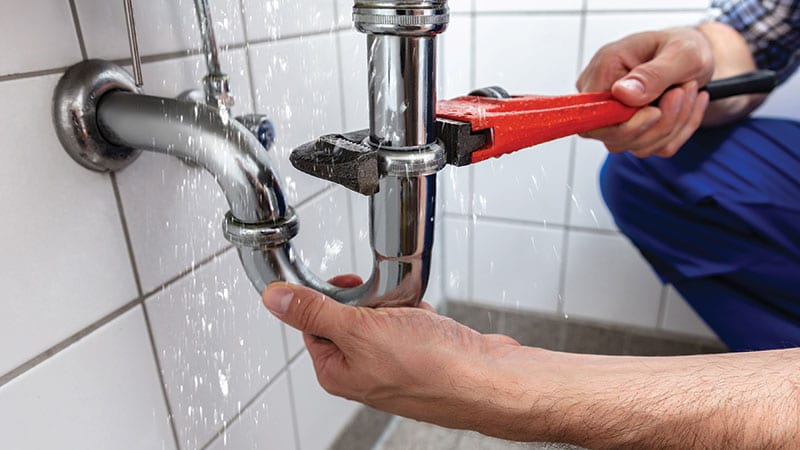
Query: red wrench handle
511,124
522,122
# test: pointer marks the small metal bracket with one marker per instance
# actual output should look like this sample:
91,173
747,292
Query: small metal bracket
75,102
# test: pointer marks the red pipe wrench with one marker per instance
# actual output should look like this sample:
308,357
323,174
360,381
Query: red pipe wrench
477,127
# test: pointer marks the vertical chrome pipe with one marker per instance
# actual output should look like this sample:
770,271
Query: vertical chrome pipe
401,52
402,91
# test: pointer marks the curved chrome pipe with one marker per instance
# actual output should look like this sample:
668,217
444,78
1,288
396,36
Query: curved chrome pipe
100,120
200,134
401,213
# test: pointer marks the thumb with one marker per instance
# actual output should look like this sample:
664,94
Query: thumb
646,82
306,309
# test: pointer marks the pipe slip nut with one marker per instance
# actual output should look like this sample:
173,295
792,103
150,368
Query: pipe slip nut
261,235
416,18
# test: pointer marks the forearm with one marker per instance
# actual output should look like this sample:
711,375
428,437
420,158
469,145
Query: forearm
746,400
731,57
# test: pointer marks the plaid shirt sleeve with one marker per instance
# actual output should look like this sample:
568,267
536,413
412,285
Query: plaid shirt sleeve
770,27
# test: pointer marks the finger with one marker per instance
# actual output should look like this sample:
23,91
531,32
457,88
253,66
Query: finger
677,107
319,348
670,144
618,137
672,106
501,339
689,129
328,361
346,281
427,306
646,82
307,310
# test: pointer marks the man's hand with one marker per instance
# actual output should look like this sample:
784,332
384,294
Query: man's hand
407,361
640,68
412,362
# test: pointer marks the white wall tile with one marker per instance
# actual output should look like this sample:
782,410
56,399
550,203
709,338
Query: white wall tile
344,13
681,318
783,101
455,57
279,19
37,35
101,392
360,223
162,26
172,77
624,5
527,5
435,292
458,240
217,344
461,6
455,190
320,416
267,423
63,261
529,185
588,209
355,98
607,279
527,61
174,215
297,85
174,211
517,266
602,29
323,242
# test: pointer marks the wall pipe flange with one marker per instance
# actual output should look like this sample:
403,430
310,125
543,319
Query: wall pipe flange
75,114
261,235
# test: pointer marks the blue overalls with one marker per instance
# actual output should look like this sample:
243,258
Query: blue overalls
721,222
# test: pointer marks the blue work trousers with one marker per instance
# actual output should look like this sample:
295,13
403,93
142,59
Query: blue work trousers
721,222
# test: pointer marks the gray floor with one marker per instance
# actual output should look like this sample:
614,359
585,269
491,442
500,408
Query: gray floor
408,434
374,430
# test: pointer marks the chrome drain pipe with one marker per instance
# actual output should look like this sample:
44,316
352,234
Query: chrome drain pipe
103,122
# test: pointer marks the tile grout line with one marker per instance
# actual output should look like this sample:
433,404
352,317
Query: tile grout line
74,338
169,56
145,312
531,223
67,342
292,401
33,74
562,276
126,233
160,371
203,262
227,424
473,76
78,31
159,57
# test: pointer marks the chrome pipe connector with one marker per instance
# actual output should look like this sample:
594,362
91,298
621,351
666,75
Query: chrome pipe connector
401,17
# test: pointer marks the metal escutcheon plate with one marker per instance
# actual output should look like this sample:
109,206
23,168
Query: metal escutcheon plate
75,114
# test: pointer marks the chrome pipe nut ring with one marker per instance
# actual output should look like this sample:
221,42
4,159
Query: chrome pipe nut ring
261,235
